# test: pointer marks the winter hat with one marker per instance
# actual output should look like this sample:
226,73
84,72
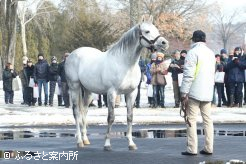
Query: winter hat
198,36
159,54
238,49
153,56
24,58
40,54
217,55
223,51
29,61
53,58
183,51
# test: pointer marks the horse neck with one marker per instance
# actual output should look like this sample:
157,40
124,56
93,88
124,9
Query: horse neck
128,48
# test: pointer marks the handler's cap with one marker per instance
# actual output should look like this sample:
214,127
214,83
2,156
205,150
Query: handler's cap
198,36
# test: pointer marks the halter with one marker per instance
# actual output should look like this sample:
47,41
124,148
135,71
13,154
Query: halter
151,42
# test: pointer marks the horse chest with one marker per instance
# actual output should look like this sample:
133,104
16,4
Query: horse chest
131,80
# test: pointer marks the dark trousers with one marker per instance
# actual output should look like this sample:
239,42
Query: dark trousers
176,91
150,100
9,97
237,89
99,102
52,92
42,83
65,94
59,97
159,89
220,90
227,87
245,92
24,93
30,99
138,95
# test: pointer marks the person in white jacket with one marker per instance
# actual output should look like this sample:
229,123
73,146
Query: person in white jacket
197,92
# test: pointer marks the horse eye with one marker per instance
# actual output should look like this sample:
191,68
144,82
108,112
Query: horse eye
147,32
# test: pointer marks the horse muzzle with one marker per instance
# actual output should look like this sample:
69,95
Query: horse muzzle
161,43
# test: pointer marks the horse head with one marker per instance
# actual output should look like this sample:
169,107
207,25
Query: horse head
150,36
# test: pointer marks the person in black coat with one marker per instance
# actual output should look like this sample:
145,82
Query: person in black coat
53,77
61,72
220,86
175,68
40,74
235,67
29,74
8,75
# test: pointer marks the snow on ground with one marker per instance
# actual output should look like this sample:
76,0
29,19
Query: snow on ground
22,115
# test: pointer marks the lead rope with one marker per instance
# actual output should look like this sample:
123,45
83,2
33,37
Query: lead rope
183,109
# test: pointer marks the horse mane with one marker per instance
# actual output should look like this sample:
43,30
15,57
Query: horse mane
127,42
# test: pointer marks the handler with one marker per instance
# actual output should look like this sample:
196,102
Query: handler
197,92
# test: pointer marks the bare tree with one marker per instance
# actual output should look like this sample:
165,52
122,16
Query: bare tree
134,12
227,25
175,18
25,16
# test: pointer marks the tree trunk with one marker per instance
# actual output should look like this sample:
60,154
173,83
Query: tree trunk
8,27
23,38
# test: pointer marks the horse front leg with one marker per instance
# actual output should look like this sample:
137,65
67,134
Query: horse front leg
130,99
111,104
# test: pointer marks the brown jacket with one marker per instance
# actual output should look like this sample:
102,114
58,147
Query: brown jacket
157,69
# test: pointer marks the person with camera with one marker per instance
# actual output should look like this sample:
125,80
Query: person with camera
235,68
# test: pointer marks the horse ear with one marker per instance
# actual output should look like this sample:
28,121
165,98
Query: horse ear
143,18
151,19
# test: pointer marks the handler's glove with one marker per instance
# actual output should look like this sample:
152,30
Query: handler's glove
184,99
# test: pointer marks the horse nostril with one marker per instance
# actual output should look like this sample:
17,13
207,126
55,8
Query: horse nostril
163,42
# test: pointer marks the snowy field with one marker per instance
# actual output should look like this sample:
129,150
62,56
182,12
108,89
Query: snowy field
22,115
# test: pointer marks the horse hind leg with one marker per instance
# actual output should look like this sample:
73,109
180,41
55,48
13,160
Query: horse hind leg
130,99
111,103
74,92
87,98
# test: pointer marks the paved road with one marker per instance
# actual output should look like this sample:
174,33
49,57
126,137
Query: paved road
150,150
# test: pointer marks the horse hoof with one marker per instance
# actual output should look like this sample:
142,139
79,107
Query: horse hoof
80,145
86,142
132,147
107,148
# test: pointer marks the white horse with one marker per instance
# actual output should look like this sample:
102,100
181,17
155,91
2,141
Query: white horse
113,72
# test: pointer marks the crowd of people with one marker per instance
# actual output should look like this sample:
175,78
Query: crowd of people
38,75
229,90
